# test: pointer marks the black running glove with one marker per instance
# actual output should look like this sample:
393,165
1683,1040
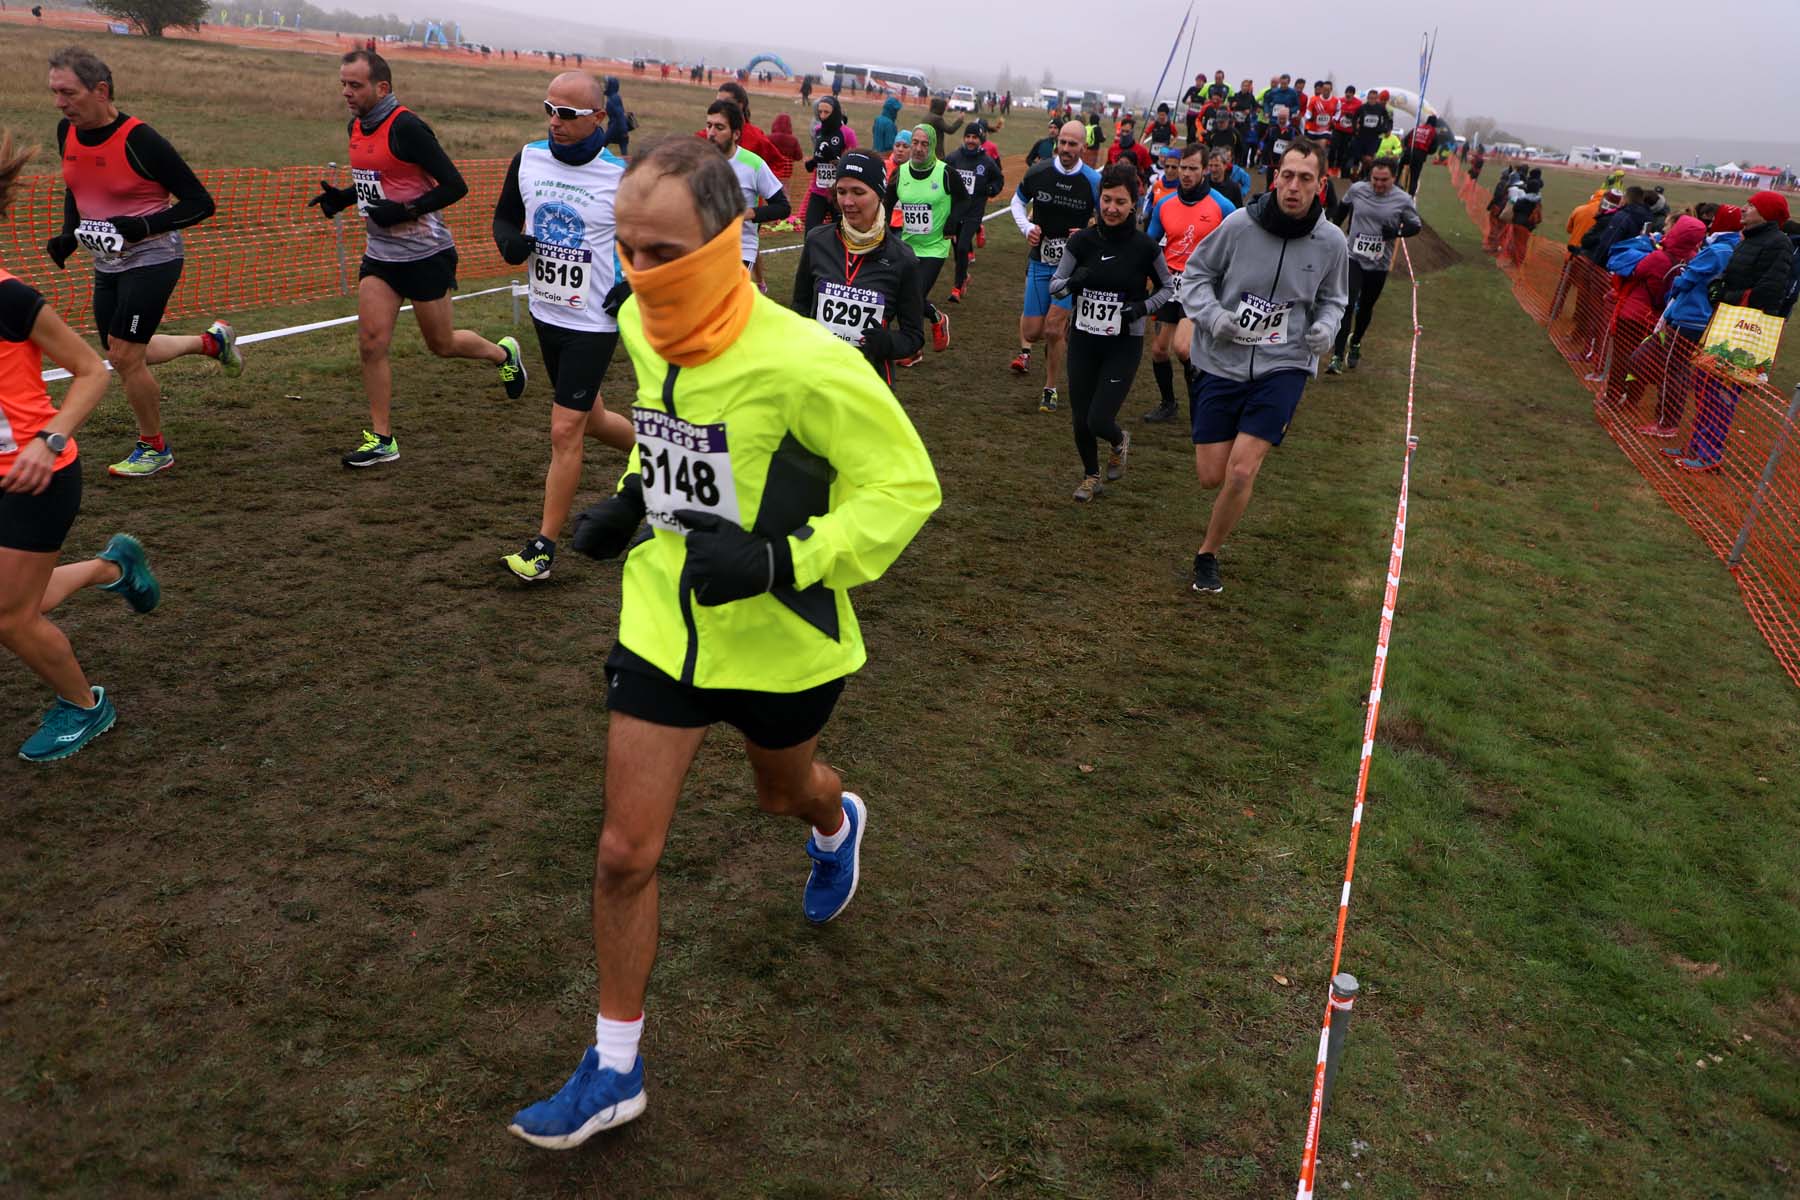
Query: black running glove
616,298
59,248
1133,311
725,563
515,248
878,342
132,229
332,200
389,213
605,529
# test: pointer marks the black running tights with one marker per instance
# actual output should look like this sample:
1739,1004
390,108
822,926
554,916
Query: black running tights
928,273
1365,290
1100,373
965,245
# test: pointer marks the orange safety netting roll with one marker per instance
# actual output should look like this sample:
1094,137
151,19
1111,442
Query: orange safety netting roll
1714,440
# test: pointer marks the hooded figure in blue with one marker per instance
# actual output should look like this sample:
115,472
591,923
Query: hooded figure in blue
618,130
885,125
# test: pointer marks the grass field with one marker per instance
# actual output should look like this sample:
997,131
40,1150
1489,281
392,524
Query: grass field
313,918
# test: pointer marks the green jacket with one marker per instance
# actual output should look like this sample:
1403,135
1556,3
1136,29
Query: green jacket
803,441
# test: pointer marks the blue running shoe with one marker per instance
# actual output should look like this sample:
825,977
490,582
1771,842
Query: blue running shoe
135,583
834,874
66,728
594,1099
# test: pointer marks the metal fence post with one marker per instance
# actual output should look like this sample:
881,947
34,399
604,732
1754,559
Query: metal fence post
1343,995
1768,476
513,290
337,234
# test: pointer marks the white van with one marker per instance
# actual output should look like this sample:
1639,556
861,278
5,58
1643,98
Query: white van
962,99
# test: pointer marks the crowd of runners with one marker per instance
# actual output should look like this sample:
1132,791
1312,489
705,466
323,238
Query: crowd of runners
764,466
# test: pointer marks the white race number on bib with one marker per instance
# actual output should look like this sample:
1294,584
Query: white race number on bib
825,175
367,183
100,239
1368,245
683,466
1261,322
1050,250
915,219
562,276
1099,313
849,312
968,178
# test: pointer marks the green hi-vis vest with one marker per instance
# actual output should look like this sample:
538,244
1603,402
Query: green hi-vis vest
789,434
924,211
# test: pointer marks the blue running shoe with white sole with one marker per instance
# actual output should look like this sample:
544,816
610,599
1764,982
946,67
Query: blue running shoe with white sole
834,873
593,1100
136,583
66,728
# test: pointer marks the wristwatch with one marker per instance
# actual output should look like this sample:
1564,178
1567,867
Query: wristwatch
58,442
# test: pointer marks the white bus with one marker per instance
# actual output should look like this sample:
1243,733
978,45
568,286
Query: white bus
1049,98
886,79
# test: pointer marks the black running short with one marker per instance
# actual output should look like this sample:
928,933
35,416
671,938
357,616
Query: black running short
429,278
129,305
1171,313
39,524
577,360
770,720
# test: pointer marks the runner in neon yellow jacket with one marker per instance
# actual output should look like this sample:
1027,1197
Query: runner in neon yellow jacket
776,472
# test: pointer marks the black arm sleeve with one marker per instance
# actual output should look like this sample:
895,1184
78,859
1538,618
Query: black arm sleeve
953,187
893,188
71,216
411,140
999,178
803,283
20,304
151,156
775,208
906,336
509,210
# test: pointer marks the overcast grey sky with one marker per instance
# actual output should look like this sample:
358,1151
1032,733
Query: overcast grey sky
1640,67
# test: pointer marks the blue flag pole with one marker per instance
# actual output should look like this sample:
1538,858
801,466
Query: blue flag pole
1156,93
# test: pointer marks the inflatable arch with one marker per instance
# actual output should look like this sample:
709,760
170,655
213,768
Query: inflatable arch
750,68
1408,102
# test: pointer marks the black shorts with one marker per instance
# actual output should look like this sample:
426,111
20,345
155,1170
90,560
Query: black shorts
129,305
770,720
577,360
1171,313
429,278
38,524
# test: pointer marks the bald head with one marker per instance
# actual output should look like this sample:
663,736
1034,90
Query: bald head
577,89
1069,141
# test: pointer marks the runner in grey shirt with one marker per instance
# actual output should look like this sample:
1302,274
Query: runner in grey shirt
1377,214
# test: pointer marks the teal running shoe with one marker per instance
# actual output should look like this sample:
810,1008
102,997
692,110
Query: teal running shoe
136,583
512,371
66,728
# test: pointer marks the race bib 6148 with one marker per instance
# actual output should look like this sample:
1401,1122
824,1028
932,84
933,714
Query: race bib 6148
683,465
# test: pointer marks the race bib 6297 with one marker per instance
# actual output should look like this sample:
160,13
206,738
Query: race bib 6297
849,312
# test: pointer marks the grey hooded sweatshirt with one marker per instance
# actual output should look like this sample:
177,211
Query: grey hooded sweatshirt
1277,275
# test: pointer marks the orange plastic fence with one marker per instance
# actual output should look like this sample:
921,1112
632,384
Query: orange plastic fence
1719,448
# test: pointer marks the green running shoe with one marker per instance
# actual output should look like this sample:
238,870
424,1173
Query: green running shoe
512,371
143,462
1047,402
533,563
230,361
136,583
66,728
374,451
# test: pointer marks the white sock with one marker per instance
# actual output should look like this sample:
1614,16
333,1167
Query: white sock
833,842
617,1042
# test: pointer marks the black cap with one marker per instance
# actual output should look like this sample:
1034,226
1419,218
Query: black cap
865,169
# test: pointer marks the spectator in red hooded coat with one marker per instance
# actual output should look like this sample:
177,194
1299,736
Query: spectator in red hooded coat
1641,298
781,132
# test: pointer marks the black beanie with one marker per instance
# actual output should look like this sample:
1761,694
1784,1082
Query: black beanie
864,168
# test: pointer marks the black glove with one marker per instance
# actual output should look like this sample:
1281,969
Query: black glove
811,164
725,563
605,529
1390,232
515,248
878,342
1715,291
1134,311
616,298
132,229
388,213
59,248
332,200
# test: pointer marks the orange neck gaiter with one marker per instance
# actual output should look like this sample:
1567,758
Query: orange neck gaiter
694,308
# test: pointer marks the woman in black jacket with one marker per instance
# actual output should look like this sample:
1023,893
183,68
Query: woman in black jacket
1116,275
857,277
